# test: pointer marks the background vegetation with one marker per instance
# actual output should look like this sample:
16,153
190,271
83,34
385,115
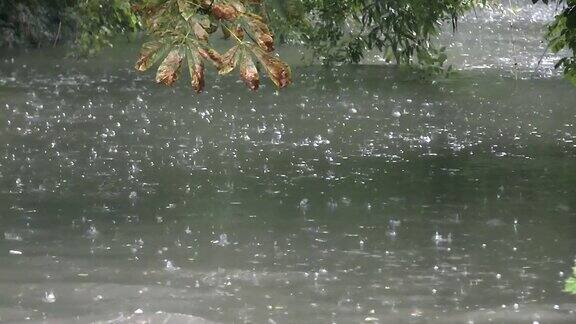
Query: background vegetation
335,30
88,24
571,284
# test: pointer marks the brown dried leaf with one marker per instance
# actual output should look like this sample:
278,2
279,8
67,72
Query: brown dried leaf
249,73
169,69
196,69
224,12
210,25
149,54
264,36
238,6
278,71
211,55
199,31
229,60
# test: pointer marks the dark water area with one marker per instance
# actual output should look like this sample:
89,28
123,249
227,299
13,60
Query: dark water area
358,195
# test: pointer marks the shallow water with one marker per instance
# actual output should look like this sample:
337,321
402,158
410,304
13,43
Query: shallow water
360,194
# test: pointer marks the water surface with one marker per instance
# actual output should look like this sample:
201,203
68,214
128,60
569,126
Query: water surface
360,194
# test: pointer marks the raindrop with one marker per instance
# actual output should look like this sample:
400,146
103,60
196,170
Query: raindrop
92,232
222,240
133,197
346,201
169,266
437,238
304,205
49,297
332,205
8,236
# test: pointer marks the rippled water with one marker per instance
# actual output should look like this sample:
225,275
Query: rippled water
360,194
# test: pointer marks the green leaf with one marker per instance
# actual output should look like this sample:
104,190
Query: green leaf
571,76
186,9
571,284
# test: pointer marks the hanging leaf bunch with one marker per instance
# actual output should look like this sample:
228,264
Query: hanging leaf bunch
180,32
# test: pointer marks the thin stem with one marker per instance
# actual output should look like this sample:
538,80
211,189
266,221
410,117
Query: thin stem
233,34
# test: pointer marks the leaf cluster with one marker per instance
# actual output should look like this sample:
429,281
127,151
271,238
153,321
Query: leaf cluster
344,30
98,21
180,33
561,36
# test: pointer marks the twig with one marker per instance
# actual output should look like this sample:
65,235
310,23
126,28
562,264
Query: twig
542,58
57,34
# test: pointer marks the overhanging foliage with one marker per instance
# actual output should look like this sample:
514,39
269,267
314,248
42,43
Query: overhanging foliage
180,31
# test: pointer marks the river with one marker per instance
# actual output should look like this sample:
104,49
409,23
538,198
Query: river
359,194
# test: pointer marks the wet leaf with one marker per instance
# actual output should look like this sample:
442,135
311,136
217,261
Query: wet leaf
249,73
255,41
263,35
229,60
211,55
238,6
199,31
196,69
169,69
278,71
186,9
183,5
210,24
150,53
225,12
